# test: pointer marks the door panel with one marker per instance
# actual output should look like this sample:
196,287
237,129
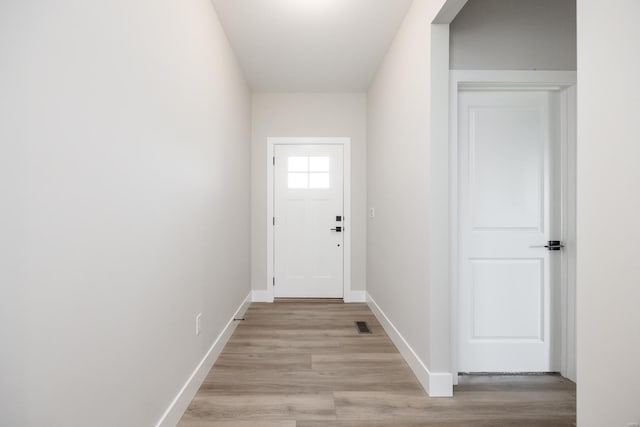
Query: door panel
308,195
506,141
504,310
507,175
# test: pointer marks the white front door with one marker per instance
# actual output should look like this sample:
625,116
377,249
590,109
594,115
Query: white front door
508,148
308,223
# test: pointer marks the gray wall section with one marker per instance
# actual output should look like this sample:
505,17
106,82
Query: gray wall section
608,308
125,132
514,35
398,183
309,115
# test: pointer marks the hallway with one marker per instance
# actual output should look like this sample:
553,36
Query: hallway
304,364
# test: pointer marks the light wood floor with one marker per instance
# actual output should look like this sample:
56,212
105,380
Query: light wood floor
304,364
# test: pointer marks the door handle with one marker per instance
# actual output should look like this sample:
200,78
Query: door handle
552,245
337,229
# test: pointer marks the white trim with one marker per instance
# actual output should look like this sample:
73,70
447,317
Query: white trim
438,194
346,143
449,11
568,232
436,384
181,402
355,296
492,78
560,81
261,296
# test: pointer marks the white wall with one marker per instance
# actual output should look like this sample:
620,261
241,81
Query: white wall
125,194
514,35
308,115
399,188
608,205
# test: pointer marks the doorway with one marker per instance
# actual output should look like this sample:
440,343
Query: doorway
513,152
309,217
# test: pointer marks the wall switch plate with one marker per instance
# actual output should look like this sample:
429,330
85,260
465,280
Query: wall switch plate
198,319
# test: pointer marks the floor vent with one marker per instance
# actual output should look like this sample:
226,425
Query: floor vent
363,328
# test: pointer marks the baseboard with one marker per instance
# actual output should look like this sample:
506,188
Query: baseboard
181,402
349,297
434,383
355,296
261,296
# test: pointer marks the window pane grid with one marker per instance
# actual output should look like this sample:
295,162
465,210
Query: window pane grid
308,172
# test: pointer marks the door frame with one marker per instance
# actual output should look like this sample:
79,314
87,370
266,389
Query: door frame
563,82
347,294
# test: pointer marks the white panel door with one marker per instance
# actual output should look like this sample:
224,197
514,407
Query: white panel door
308,208
506,147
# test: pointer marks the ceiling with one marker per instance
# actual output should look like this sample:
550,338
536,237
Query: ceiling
310,45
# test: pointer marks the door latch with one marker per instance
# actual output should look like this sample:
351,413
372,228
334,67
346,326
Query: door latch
552,245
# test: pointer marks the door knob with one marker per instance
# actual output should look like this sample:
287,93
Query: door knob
337,229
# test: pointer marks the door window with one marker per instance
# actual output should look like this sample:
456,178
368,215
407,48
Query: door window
308,172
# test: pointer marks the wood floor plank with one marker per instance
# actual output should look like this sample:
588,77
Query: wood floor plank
470,406
304,364
239,423
261,407
452,421
315,381
337,331
369,360
310,345
251,362
363,364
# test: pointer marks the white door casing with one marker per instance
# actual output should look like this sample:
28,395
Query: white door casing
308,212
268,294
508,209
563,84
